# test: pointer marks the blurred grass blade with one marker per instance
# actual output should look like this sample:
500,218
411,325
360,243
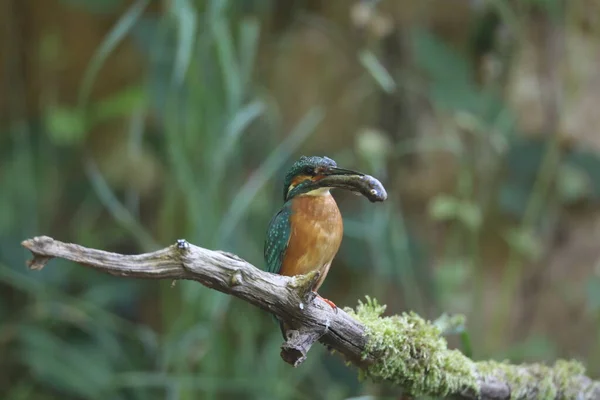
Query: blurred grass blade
110,42
266,170
249,36
234,130
181,168
217,8
136,379
377,71
119,212
98,314
229,65
66,371
465,340
242,119
186,30
399,238
134,150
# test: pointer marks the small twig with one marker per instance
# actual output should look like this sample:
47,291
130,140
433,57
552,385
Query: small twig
317,321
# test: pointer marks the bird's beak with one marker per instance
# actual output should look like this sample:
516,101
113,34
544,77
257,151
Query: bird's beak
355,181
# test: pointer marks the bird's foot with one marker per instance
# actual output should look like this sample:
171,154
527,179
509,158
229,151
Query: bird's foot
331,303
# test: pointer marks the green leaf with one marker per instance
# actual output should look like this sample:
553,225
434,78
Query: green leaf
469,214
450,324
120,104
373,145
525,242
66,126
573,184
452,83
444,207
441,63
587,162
513,198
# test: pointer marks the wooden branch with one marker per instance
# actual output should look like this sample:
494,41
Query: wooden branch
404,350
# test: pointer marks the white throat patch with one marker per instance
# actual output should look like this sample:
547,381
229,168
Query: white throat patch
318,192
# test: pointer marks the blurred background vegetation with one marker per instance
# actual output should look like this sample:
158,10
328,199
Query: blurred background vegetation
125,125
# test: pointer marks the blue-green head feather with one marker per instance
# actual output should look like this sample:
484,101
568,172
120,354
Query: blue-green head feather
305,166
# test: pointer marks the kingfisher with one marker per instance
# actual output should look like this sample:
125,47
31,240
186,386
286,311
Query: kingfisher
306,233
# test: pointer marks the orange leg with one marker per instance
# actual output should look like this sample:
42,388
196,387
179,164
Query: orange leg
331,303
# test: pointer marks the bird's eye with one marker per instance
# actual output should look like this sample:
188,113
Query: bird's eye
309,171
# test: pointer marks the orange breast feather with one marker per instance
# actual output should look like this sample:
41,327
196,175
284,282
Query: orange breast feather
316,235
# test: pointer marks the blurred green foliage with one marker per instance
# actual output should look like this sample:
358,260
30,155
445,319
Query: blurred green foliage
204,153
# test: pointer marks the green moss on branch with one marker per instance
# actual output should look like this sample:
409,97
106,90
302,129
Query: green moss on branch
411,352
561,381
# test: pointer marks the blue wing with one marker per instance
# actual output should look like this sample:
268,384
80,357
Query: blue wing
278,237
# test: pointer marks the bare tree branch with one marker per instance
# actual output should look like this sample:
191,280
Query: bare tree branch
404,350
